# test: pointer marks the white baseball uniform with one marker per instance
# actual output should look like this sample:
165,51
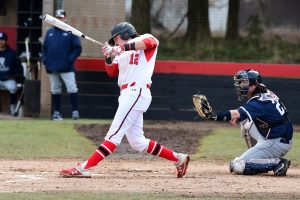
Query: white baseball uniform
135,69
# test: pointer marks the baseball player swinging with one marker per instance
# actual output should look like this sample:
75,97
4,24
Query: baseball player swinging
264,118
133,63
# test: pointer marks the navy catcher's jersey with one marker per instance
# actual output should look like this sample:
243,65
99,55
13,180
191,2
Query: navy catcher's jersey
269,115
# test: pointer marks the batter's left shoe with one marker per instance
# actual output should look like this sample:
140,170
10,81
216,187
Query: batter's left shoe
282,167
75,172
182,164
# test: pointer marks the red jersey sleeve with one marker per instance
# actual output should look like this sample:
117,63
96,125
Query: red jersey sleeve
112,70
150,43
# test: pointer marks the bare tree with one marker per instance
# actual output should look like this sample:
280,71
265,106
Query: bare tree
198,20
232,31
140,15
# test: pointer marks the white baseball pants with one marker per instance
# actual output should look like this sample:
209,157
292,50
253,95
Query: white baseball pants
128,120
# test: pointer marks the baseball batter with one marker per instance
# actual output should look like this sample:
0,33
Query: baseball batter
265,119
133,63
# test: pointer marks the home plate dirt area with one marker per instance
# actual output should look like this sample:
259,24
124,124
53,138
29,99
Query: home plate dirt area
127,172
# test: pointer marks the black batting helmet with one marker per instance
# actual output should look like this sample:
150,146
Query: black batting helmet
245,78
125,29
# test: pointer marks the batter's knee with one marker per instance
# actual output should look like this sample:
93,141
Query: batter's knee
237,166
139,145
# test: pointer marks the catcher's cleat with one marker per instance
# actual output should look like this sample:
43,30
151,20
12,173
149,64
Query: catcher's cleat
75,172
282,167
182,164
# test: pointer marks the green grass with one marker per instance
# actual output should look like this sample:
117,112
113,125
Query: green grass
98,196
241,50
36,138
226,144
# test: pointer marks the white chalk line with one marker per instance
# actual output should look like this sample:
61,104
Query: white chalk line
24,178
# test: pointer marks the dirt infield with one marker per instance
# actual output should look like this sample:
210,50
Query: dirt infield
150,176
127,171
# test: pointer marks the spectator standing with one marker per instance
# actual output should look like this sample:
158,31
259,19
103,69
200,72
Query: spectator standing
60,50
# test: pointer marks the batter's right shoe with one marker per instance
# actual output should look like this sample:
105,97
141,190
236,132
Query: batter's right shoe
75,172
282,167
182,164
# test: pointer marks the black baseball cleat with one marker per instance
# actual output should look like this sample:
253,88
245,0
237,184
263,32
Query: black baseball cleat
282,167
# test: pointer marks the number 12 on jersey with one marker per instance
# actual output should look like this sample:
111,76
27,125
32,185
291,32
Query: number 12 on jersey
134,59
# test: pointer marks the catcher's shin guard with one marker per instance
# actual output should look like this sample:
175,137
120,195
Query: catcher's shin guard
253,166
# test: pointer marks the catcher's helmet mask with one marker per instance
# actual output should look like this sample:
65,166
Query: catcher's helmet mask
126,31
243,80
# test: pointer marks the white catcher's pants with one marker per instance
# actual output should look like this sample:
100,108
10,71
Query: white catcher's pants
265,148
128,120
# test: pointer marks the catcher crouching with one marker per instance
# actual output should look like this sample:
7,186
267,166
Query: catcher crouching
264,122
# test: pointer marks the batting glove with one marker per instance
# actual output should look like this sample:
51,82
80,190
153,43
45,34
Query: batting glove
107,50
117,50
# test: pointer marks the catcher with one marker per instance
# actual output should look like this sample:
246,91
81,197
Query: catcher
263,117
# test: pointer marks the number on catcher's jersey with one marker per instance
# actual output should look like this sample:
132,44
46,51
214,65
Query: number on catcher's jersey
275,100
280,107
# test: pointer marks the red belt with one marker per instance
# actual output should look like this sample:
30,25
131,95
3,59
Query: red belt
124,86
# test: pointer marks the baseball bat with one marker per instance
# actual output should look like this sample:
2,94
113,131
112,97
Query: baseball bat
28,67
59,24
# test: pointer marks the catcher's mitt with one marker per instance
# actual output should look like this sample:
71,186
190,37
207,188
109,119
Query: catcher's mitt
202,106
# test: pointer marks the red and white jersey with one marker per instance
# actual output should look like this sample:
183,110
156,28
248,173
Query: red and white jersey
137,65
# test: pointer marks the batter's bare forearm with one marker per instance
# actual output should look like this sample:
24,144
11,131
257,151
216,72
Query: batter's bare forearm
146,43
140,45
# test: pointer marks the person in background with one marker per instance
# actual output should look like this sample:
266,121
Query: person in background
60,50
10,71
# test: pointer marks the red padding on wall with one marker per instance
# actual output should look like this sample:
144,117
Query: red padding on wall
205,68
